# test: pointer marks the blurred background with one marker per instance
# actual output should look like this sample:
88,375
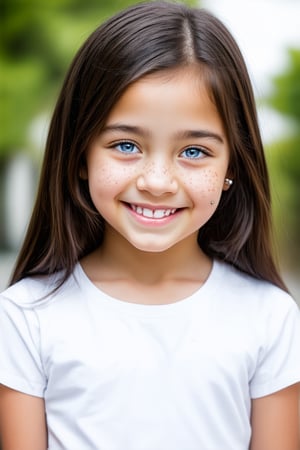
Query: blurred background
37,43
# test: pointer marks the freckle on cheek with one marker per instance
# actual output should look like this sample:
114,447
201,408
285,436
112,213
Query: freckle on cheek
106,176
109,176
204,182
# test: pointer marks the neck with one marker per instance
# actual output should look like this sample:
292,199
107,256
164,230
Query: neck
118,259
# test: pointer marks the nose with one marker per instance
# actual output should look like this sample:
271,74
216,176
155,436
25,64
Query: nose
157,179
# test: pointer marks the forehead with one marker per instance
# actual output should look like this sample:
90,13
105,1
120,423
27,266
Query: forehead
192,76
178,93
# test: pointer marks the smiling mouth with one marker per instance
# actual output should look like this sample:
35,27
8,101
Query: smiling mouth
153,213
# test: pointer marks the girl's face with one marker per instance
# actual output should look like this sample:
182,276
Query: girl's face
156,172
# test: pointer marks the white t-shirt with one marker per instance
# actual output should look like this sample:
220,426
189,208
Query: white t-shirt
124,376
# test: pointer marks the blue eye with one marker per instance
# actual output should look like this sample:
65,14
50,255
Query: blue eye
193,153
126,147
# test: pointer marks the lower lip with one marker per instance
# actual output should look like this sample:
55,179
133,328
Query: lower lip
150,221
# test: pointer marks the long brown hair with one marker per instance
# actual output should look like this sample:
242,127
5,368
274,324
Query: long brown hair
143,39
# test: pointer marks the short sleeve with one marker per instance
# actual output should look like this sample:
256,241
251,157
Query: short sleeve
278,364
20,362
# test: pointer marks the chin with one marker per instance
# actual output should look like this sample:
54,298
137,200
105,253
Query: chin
152,247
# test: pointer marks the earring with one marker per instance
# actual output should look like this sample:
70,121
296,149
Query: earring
228,181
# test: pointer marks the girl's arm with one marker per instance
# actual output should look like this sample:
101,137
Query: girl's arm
22,421
275,421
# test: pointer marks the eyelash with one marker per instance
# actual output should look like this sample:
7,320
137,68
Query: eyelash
202,151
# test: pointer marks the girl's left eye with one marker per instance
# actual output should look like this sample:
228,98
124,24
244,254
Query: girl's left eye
193,153
126,147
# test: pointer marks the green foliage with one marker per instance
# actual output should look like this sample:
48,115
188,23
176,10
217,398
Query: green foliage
284,161
38,41
19,84
286,97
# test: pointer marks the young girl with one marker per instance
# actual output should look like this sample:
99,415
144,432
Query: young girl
145,311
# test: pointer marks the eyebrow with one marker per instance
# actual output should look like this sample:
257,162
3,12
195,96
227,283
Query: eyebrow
185,134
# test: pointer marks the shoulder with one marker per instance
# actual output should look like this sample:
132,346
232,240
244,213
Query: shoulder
261,296
268,322
28,289
34,291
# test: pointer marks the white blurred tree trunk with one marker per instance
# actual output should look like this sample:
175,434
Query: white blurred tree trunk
19,191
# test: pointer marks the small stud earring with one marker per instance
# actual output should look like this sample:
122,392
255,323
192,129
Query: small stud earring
211,202
228,181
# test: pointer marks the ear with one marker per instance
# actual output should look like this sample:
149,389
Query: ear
83,173
227,184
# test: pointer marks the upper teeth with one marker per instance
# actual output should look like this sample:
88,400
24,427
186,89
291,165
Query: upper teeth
153,213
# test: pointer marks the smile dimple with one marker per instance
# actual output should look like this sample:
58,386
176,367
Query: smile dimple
153,213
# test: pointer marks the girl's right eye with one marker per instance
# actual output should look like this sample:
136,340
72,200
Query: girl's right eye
126,147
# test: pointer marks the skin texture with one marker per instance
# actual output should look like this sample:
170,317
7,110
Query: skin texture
141,158
276,421
22,421
147,157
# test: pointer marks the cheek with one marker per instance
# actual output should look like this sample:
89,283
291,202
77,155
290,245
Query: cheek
107,176
205,182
